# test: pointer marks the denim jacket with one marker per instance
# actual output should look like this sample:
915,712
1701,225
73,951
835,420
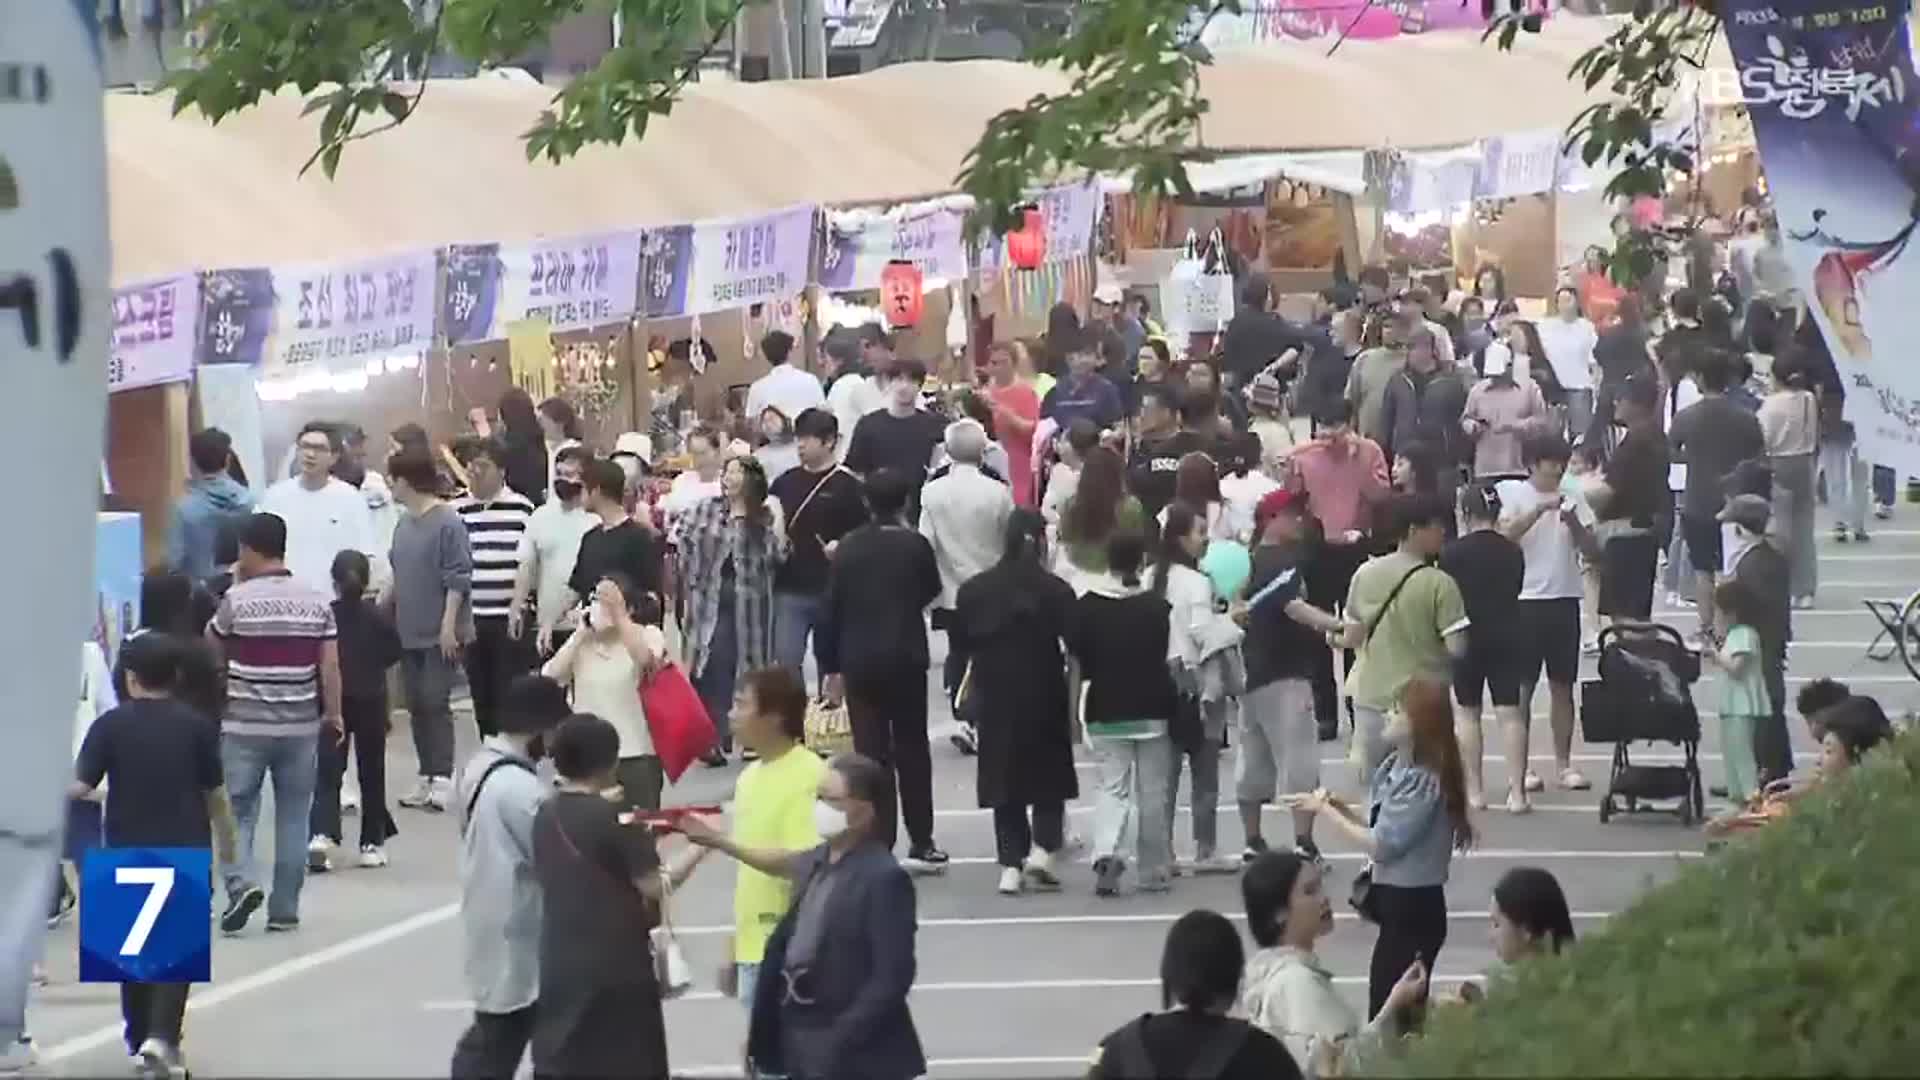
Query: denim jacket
1412,835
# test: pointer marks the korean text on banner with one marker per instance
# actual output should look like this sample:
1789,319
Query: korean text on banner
336,316
155,325
750,261
1069,215
1829,85
935,243
575,283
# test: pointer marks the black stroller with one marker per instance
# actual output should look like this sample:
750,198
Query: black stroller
1645,692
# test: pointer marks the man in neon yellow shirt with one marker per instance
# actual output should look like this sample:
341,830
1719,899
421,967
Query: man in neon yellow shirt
772,808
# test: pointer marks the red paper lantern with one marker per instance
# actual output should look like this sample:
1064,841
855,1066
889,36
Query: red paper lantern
900,293
1027,245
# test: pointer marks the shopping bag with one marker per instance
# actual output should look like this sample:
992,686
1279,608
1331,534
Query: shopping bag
1198,291
670,968
828,731
678,721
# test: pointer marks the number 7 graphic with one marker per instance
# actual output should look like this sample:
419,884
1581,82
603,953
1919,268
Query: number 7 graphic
159,883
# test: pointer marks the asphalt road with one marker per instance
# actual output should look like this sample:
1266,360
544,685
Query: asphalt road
371,985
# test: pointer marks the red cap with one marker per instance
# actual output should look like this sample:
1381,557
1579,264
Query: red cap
1273,502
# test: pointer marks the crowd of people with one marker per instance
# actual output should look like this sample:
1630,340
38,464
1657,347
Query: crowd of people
1127,548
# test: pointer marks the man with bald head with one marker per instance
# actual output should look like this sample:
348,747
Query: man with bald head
963,514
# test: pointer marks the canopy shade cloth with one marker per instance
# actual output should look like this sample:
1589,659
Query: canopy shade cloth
187,195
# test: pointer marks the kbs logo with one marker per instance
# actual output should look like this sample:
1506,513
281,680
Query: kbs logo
145,915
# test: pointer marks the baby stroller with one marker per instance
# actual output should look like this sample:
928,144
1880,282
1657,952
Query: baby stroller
1645,692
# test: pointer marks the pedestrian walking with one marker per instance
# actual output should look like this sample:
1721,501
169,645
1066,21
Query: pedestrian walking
1099,509
1633,506
830,1001
730,548
1279,754
604,664
524,459
496,517
324,515
1121,632
278,640
1012,620
1201,968
1199,633
1569,340
214,503
548,549
162,760
1790,422
963,515
1713,437
431,610
1416,818
873,656
1491,571
497,800
1753,560
369,647
821,503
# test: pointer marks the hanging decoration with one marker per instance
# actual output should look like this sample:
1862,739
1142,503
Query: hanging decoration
901,295
586,376
1027,245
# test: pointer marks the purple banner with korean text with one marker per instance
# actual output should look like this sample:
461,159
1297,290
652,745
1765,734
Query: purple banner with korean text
1830,87
575,283
236,316
666,258
749,261
155,331
340,315
935,242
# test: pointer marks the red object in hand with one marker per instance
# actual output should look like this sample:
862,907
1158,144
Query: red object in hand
681,729
901,293
1027,245
667,819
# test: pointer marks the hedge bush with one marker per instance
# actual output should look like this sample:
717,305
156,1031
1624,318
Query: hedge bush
1795,951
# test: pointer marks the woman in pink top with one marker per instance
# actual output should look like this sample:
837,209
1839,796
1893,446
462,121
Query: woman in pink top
1016,411
1499,411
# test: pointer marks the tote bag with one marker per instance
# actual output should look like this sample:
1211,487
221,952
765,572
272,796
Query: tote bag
681,729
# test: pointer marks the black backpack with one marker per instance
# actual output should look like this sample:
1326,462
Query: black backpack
1125,1056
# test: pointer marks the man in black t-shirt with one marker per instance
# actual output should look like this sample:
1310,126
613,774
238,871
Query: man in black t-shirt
902,436
1634,506
619,544
822,502
1157,447
1713,436
162,760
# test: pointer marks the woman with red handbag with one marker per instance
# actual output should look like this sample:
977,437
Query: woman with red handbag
603,664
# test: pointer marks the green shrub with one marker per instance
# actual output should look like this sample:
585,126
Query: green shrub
1793,952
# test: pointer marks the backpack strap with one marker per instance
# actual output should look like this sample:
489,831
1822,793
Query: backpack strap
496,765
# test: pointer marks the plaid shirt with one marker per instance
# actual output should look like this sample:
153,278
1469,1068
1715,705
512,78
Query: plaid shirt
708,535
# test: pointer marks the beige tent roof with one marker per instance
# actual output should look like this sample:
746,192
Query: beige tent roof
189,195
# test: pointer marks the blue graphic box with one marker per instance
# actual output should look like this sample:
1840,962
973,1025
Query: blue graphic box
145,915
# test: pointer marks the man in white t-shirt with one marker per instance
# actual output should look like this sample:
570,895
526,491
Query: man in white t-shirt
325,515
785,387
548,550
1552,529
851,395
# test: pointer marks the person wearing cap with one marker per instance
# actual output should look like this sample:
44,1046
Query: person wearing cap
1267,418
1753,560
1111,318
496,800
1500,410
1279,751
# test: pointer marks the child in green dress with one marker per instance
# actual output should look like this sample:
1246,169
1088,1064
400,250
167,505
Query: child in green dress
1743,690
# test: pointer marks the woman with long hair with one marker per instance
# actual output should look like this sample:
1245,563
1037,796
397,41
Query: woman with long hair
528,465
1197,483
1490,285
1790,422
1099,509
1011,621
1015,414
729,547
1530,361
1197,630
1417,806
1567,341
1529,915
560,427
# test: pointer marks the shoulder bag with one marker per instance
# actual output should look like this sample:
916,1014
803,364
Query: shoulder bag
672,974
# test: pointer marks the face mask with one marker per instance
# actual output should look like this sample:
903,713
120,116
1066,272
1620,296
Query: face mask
567,490
829,820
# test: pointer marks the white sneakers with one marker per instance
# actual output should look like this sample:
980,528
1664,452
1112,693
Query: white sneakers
1037,874
372,856
1011,882
431,793
319,855
158,1059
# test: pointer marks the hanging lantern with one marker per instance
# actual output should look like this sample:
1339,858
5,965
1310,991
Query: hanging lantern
900,293
1027,245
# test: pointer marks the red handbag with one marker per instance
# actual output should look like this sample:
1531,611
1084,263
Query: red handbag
676,718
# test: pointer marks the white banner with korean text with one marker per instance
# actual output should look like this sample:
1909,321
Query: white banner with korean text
155,325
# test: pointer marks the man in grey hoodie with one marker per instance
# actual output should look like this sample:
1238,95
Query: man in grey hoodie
214,501
430,602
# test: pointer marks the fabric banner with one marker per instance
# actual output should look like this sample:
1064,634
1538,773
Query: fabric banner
1828,84
305,317
934,242
155,330
1280,20
749,261
1071,213
666,258
575,283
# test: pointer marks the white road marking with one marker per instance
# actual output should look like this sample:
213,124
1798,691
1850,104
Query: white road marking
1187,808
1639,758
1354,856
220,993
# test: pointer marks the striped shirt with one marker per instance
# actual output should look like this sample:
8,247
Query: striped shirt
494,530
273,629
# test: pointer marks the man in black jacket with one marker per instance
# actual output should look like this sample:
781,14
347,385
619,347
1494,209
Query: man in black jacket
1761,566
872,649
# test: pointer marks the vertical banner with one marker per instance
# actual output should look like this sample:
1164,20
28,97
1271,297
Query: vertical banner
750,261
574,283
155,330
56,322
666,258
1830,86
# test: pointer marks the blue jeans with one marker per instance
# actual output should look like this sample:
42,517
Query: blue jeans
292,761
795,615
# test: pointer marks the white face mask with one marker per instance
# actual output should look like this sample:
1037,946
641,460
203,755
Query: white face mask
829,820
